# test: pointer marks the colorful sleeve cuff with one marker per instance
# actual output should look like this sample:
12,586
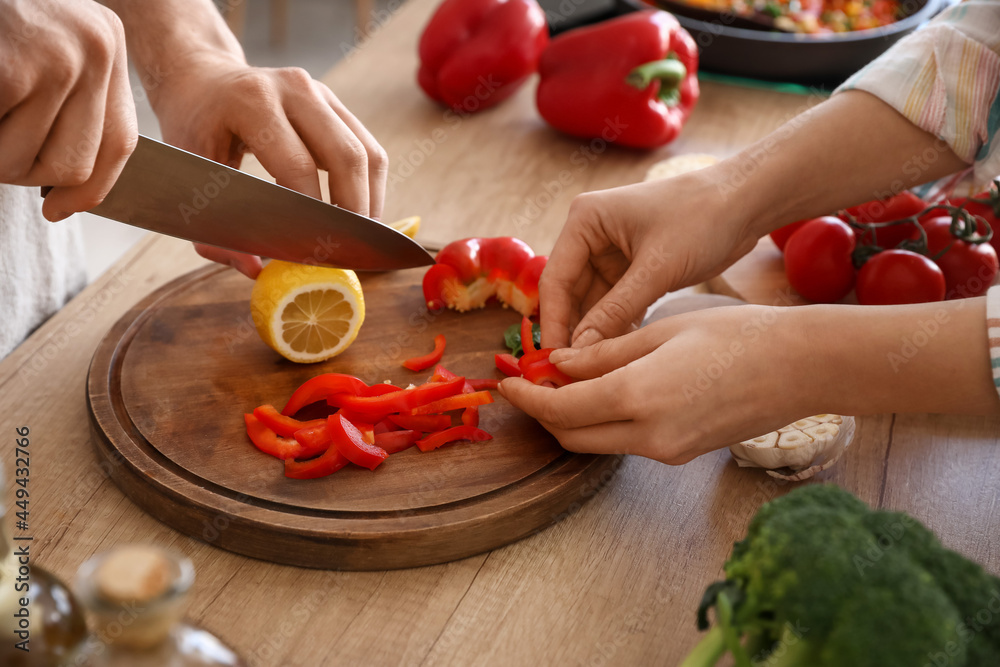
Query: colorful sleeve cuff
945,79
993,331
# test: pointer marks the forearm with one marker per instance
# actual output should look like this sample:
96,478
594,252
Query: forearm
849,149
930,357
165,36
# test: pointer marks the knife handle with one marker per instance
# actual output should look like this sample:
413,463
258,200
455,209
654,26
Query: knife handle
46,189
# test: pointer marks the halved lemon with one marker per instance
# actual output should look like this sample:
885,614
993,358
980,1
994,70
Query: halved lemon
409,226
307,313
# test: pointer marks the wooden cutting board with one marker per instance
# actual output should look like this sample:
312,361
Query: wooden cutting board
169,384
758,277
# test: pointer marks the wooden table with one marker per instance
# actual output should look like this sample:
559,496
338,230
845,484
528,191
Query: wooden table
615,583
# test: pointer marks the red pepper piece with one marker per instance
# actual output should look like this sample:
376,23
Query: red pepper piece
897,207
313,439
470,272
631,80
330,462
479,384
270,442
426,361
476,53
522,293
507,364
470,416
527,336
269,416
536,368
442,374
353,444
458,402
320,387
385,426
396,441
424,423
402,400
435,440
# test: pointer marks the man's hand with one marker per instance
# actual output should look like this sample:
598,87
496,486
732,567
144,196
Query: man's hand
220,108
67,117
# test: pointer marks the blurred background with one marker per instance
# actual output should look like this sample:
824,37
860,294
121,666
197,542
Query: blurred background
275,33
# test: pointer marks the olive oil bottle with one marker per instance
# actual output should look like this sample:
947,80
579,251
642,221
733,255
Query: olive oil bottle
41,622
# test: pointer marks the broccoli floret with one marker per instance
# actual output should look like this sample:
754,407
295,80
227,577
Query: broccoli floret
821,580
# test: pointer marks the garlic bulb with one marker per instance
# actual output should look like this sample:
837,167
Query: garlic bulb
800,450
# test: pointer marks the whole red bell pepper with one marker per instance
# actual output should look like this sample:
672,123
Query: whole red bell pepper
630,81
474,54
470,272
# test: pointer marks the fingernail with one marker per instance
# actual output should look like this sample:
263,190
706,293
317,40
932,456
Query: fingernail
563,354
500,389
588,337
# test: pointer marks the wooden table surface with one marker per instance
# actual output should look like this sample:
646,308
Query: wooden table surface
616,582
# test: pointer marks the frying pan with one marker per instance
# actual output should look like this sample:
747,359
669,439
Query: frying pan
821,60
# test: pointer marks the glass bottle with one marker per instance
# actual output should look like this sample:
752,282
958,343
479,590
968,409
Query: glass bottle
136,596
37,612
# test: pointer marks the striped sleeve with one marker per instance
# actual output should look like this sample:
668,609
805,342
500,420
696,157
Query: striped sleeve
945,78
993,331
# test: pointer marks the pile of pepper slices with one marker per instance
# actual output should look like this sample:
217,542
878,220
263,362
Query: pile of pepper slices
372,422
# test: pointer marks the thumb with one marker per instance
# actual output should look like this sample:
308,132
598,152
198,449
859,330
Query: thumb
607,355
623,305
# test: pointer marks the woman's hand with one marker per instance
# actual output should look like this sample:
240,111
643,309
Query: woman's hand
217,106
66,113
678,388
622,249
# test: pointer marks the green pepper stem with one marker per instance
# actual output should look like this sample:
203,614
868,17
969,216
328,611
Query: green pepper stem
670,72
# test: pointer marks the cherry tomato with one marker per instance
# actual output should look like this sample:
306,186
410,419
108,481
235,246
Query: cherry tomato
896,207
781,235
984,211
969,268
818,260
899,276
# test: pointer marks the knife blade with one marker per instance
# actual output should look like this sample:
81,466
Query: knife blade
177,193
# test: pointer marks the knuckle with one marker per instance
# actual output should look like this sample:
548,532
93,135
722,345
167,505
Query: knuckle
300,164
296,77
253,87
378,159
614,312
353,156
75,175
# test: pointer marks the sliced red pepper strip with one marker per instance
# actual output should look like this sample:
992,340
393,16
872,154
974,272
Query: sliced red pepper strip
424,423
426,361
527,336
396,441
435,440
536,368
470,416
507,364
361,418
351,442
330,462
400,401
385,426
457,402
269,416
313,439
480,384
442,374
270,442
320,387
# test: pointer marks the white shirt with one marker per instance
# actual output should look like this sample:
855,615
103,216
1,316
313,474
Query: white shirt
41,264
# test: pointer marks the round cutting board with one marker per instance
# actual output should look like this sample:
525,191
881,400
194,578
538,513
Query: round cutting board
170,382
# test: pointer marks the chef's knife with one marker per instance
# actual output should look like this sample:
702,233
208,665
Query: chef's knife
170,191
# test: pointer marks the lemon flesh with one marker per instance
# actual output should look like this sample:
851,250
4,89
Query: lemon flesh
307,313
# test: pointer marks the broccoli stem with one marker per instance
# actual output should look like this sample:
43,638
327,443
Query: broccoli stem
708,651
791,651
